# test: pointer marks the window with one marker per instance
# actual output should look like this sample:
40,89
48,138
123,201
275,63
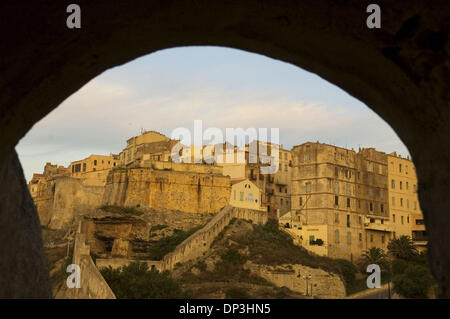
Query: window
401,185
407,203
308,157
285,167
280,167
359,220
336,236
95,162
401,219
393,201
348,220
300,201
308,187
382,208
234,195
241,198
415,205
336,187
336,172
360,237
420,222
407,219
285,156
336,200
382,239
371,206
407,185
401,202
349,238
336,217
393,218
393,184
371,238
84,167
400,168
348,202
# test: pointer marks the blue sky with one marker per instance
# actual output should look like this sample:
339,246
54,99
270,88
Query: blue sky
223,87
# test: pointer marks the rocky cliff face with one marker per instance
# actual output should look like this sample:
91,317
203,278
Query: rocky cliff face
321,284
63,199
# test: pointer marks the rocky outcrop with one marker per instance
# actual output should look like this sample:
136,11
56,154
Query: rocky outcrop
321,284
63,199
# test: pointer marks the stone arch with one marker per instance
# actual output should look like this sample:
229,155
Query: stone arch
400,71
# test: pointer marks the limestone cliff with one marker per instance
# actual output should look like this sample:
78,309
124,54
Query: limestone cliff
61,200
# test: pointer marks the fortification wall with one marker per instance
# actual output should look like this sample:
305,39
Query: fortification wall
199,242
60,200
183,167
93,285
167,190
72,198
323,284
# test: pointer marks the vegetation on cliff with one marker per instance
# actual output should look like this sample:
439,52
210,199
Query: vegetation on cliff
167,244
136,281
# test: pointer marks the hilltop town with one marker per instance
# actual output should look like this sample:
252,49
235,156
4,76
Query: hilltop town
333,202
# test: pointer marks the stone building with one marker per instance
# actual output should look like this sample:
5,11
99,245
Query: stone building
343,192
405,212
93,163
245,194
149,145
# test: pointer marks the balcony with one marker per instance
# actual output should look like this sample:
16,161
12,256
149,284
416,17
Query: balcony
386,227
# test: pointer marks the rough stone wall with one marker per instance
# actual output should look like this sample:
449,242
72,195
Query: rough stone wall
324,284
61,199
199,242
167,190
71,199
93,285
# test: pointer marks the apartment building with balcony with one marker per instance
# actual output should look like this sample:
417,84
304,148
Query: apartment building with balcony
344,192
405,212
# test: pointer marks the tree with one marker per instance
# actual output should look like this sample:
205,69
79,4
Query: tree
376,256
402,248
136,281
414,282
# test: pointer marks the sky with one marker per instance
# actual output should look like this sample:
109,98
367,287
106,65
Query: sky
223,87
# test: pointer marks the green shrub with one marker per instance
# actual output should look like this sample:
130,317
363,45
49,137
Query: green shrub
169,243
120,210
136,281
414,282
237,293
201,265
399,266
232,256
158,227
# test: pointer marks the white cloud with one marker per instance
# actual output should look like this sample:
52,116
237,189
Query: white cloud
102,115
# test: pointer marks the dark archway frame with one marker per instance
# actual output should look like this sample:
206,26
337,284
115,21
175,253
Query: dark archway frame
401,71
